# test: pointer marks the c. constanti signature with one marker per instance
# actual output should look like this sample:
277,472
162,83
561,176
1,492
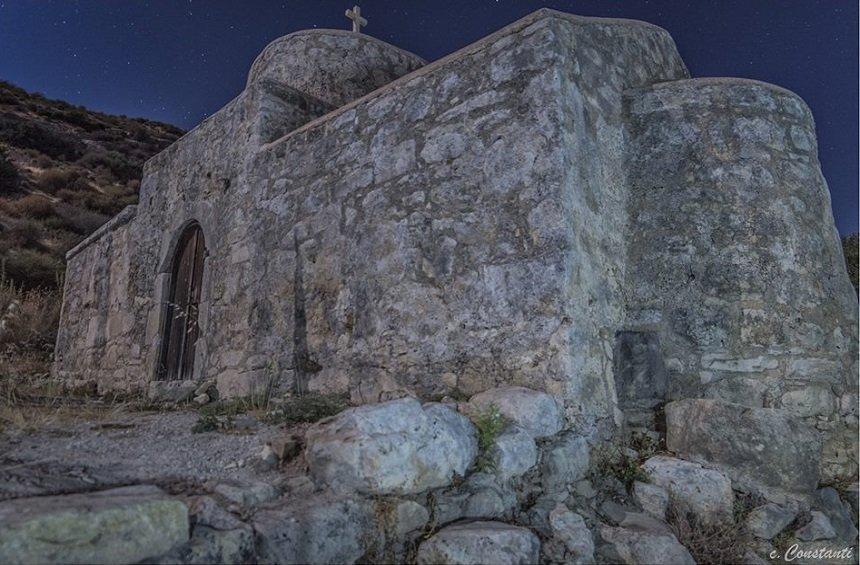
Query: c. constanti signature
794,552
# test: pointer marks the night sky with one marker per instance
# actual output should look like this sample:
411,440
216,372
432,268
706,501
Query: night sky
179,61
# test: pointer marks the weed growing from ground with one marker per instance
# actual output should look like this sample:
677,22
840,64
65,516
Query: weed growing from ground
310,407
489,424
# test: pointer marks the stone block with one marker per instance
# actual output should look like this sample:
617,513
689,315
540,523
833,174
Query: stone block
394,447
755,446
479,543
706,493
537,412
122,525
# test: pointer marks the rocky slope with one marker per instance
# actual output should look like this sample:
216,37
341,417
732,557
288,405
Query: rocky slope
64,170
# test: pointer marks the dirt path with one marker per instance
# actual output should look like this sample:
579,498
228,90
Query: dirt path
128,448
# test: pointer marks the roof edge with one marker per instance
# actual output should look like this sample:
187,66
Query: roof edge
513,27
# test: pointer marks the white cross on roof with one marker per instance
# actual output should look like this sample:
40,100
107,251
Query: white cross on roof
357,20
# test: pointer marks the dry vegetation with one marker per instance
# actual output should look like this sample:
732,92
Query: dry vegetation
64,171
852,263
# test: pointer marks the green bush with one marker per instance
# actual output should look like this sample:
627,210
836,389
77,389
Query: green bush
32,135
54,180
118,164
79,220
29,269
23,234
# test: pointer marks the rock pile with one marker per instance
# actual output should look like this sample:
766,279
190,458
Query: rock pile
405,481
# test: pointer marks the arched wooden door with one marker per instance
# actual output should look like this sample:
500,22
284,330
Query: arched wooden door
181,330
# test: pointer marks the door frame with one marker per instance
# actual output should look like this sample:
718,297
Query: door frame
165,290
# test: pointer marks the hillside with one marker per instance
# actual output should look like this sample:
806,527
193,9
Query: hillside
64,171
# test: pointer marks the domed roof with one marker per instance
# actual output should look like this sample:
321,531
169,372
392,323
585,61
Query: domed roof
334,66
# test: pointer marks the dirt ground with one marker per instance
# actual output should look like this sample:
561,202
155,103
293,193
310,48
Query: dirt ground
90,451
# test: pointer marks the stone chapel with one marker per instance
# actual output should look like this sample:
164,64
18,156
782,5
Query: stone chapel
558,206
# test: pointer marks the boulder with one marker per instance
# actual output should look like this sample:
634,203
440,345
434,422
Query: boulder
537,412
653,499
839,512
205,511
396,447
210,545
315,529
768,520
488,496
485,503
171,392
246,493
121,525
818,528
642,547
513,453
706,493
480,543
408,517
754,446
571,540
622,517
565,462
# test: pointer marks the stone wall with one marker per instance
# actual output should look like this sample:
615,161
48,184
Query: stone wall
452,234
98,338
501,216
734,259
602,60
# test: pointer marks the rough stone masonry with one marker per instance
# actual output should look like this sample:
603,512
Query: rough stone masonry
557,206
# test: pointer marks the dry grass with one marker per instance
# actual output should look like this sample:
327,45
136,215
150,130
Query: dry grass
708,543
28,320
32,206
29,399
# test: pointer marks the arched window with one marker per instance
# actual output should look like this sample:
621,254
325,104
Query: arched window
180,329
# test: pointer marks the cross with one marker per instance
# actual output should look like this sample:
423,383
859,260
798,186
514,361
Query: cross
357,20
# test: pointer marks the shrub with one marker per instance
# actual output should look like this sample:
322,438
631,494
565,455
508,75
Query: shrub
30,269
116,163
23,233
33,206
310,407
621,462
32,135
54,180
77,220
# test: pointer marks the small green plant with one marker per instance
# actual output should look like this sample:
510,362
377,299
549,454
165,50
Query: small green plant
230,408
212,423
310,407
615,460
489,424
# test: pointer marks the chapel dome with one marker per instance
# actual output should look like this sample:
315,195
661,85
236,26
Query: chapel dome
335,66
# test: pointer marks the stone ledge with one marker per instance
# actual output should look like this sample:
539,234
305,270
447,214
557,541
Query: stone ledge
125,216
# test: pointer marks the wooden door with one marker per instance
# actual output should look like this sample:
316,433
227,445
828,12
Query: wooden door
181,330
